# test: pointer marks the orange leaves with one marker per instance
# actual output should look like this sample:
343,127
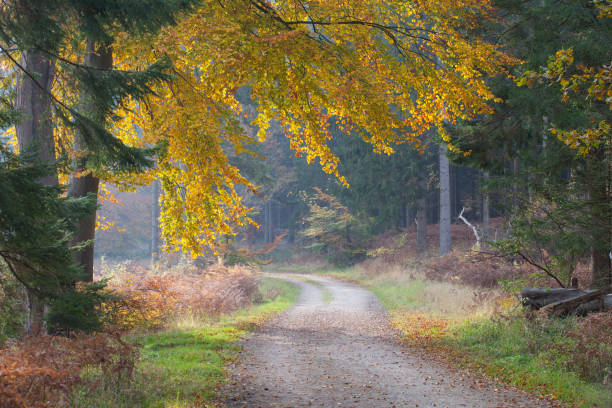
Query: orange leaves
421,329
151,301
42,371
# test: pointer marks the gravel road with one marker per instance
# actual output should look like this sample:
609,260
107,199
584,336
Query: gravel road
344,353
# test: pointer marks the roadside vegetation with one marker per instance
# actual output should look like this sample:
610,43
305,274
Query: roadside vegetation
463,308
167,344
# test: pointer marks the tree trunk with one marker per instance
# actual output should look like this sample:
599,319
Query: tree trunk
35,131
35,136
445,210
421,217
485,214
155,222
84,182
601,219
515,187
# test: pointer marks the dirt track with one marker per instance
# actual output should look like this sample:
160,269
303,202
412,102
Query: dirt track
344,353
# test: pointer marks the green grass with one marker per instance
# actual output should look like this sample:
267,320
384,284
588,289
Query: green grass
184,367
534,356
327,295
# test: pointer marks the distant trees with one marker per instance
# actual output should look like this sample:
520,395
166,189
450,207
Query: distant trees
332,230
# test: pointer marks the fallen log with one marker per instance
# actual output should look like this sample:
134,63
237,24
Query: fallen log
570,305
538,298
557,302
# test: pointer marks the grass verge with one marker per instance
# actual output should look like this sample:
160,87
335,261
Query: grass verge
326,294
486,331
184,366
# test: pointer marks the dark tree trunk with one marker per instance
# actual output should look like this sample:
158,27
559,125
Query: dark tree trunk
35,131
35,136
485,214
421,218
408,215
84,183
601,219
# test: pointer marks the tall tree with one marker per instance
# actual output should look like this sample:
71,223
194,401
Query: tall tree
35,138
445,201
485,213
307,66
553,128
84,183
421,217
64,32
33,102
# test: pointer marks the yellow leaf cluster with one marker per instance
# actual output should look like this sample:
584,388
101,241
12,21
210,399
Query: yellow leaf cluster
388,71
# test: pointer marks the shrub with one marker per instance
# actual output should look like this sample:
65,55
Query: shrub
146,302
12,306
591,353
474,269
42,371
332,230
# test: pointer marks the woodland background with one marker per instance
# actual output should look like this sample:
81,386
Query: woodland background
156,155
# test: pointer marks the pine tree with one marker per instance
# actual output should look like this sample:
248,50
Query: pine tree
51,33
557,200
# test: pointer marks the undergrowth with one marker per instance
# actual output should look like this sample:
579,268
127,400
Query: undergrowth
184,365
165,343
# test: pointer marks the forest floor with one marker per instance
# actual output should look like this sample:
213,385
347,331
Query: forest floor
336,347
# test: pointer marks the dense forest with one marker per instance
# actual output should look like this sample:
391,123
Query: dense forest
156,156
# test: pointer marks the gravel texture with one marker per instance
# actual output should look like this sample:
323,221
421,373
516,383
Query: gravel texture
344,353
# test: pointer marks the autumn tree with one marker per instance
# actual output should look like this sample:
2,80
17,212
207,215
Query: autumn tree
366,67
63,100
75,39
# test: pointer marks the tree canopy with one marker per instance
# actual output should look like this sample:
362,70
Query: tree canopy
386,72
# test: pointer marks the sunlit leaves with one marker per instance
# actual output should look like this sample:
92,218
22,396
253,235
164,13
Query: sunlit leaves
387,71
591,84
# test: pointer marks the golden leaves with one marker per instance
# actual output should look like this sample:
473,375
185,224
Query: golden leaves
371,68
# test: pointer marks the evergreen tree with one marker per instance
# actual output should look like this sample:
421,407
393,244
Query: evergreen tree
558,201
52,34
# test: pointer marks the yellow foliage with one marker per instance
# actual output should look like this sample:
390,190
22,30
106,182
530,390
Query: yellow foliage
589,83
387,72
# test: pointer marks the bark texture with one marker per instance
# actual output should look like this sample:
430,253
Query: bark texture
83,182
557,302
445,202
35,131
35,137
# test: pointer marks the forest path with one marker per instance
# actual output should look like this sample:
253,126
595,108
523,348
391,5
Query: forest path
336,348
